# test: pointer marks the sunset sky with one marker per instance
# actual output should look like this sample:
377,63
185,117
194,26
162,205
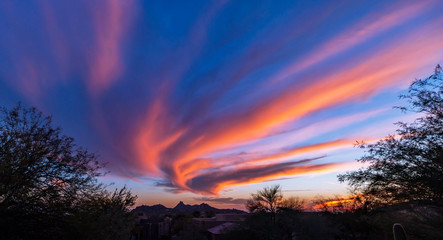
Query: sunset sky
209,101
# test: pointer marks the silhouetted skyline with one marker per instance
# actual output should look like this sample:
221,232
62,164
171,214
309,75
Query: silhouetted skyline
215,99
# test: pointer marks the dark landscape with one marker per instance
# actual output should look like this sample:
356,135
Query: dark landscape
183,208
221,120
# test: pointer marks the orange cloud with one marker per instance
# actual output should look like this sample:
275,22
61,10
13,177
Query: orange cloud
213,182
356,84
319,128
195,154
183,161
155,136
265,156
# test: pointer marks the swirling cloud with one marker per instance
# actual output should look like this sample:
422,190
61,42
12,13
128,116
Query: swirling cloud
183,160
208,96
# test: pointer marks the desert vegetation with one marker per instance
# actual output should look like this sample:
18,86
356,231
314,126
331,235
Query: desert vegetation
49,188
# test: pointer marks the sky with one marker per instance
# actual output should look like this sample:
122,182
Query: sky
210,101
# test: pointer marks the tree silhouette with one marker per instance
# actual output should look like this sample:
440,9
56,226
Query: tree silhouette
272,216
267,200
407,166
48,185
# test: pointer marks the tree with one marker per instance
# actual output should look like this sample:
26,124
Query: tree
103,216
264,204
265,200
291,204
48,185
273,217
408,166
270,199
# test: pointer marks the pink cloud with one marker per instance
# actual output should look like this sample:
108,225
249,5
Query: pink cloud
361,32
182,159
111,22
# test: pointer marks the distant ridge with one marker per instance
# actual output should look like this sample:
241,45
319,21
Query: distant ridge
181,207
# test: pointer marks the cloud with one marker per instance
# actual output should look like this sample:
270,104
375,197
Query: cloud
55,43
367,28
111,22
269,156
223,200
214,181
182,159
297,190
205,105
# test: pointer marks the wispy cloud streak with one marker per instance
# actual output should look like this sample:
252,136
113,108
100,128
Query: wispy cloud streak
227,200
369,27
110,24
182,161
204,97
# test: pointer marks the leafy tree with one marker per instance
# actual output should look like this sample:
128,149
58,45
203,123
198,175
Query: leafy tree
48,185
273,217
266,200
103,216
349,217
408,166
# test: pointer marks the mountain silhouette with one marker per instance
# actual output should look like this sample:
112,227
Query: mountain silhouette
182,208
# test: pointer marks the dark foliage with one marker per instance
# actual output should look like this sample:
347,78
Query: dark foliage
408,166
403,180
266,200
271,216
48,185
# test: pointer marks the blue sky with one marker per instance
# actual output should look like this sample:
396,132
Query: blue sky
212,100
